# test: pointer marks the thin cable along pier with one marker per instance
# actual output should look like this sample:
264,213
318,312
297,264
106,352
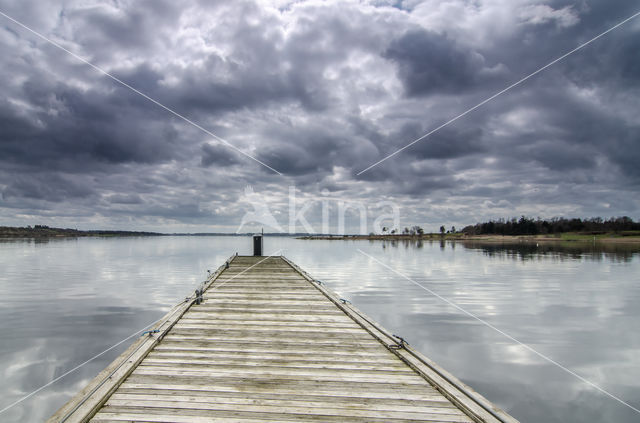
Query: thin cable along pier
262,341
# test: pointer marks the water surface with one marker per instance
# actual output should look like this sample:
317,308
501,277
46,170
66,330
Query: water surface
63,301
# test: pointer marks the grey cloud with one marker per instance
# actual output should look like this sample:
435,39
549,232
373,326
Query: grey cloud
219,155
430,63
125,199
558,155
188,212
73,130
447,143
45,186
290,159
104,29
578,132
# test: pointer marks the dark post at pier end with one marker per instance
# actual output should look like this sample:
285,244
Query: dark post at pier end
257,244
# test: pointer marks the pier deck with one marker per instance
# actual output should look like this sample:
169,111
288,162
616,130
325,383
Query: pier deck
268,343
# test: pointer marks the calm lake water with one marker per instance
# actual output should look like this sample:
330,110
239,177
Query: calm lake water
63,301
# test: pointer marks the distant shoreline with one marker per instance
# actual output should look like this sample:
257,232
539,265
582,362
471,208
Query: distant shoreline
41,231
44,232
621,237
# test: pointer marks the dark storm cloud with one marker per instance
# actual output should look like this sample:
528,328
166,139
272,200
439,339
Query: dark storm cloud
319,91
75,130
570,132
430,63
291,160
200,91
558,155
448,143
45,186
218,155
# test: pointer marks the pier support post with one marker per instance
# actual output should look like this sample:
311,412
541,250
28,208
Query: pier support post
257,245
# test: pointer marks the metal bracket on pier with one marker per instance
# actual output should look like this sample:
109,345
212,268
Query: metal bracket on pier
226,264
399,345
345,301
199,296
150,332
318,281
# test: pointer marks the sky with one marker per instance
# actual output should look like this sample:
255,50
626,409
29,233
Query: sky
265,113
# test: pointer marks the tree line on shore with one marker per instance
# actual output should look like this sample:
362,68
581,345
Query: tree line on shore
529,226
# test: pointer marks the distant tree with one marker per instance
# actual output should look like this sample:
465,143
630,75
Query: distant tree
469,230
416,230
393,231
442,229
453,229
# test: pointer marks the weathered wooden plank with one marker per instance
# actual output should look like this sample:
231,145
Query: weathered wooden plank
274,355
108,417
273,346
275,415
292,286
355,351
267,328
283,313
326,342
303,297
268,332
249,306
273,315
261,374
258,272
275,358
177,416
247,322
212,300
261,277
347,389
159,360
291,407
280,364
435,400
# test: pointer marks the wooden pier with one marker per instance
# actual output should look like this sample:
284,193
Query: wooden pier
267,342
